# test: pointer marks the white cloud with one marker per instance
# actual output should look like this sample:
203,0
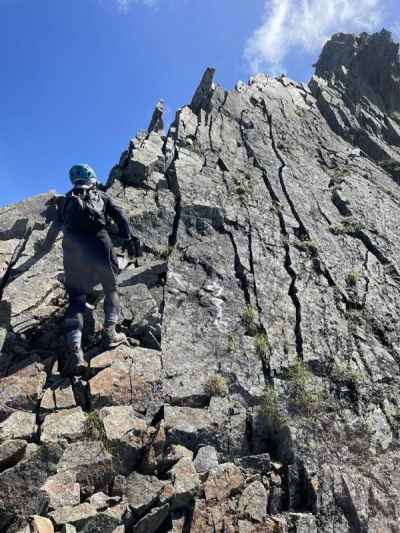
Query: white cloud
125,4
306,24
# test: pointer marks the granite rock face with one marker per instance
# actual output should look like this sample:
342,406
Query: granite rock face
258,389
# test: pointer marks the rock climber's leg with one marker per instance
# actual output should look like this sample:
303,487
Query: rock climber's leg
107,270
73,327
77,280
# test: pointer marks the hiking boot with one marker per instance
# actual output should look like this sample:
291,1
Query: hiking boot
111,338
75,365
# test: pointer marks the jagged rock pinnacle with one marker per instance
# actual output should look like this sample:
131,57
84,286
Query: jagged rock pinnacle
203,92
157,122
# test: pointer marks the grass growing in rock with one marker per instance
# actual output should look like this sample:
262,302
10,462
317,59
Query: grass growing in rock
261,345
94,430
272,413
303,398
307,246
347,227
249,319
352,278
216,385
164,253
231,346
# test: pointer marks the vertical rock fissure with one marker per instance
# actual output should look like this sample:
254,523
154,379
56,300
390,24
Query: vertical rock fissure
318,265
251,261
281,170
173,186
240,271
292,292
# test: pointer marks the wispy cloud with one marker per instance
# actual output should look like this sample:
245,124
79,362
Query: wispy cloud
306,24
124,5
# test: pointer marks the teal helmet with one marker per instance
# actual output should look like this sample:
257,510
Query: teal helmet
82,176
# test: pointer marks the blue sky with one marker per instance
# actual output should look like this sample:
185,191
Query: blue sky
80,77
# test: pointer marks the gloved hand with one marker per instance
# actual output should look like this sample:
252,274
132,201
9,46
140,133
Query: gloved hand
134,247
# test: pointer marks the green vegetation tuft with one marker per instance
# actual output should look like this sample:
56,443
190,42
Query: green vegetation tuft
231,347
347,227
303,399
261,345
216,385
272,413
249,319
94,430
164,253
352,278
306,246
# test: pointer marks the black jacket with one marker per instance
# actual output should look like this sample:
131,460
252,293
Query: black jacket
89,215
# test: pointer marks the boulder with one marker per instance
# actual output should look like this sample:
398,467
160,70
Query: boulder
129,380
62,489
154,454
22,388
253,502
206,459
92,464
143,492
21,493
39,524
77,516
19,425
66,424
58,397
223,481
254,464
127,435
188,426
11,452
186,482
152,521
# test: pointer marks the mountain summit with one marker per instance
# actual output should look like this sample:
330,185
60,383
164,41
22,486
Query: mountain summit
264,395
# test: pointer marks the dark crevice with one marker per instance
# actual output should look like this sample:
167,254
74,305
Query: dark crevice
296,302
281,171
340,204
366,277
325,217
261,327
240,270
210,134
251,261
345,503
173,186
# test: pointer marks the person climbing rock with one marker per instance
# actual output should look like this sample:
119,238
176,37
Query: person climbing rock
89,259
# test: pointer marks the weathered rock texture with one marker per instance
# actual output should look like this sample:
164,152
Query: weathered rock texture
264,394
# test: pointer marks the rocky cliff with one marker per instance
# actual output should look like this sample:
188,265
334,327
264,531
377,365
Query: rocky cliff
264,394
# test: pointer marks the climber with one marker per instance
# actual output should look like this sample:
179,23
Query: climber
89,259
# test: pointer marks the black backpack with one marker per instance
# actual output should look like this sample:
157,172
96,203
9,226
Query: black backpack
84,211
